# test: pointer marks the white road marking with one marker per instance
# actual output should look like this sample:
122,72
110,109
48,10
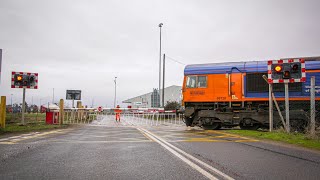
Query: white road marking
175,151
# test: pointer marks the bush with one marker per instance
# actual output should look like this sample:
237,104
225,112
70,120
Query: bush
173,105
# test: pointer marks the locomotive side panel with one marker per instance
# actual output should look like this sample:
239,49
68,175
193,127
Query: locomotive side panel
216,88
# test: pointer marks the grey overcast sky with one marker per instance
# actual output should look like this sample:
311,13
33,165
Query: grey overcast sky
84,44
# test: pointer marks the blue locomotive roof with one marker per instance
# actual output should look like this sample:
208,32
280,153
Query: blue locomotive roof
248,67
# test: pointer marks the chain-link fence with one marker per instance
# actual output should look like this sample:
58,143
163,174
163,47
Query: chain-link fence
304,106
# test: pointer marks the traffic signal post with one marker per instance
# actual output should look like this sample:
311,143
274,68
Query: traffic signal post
286,71
24,80
23,106
286,97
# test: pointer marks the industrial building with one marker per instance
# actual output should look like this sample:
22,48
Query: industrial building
152,99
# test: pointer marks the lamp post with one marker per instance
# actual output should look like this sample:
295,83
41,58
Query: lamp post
160,25
115,92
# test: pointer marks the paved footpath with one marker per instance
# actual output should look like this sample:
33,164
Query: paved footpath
107,149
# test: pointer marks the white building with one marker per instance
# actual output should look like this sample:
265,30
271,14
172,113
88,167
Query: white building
171,93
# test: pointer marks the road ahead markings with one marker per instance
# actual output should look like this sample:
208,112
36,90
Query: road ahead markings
22,137
200,136
185,157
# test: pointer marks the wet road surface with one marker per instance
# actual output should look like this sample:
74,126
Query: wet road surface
111,150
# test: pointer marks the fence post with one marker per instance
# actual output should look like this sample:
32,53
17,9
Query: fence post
3,112
61,112
312,107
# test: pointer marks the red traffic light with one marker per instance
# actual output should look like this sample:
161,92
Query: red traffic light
278,68
286,75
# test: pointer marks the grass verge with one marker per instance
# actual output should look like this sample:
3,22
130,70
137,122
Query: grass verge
280,136
29,127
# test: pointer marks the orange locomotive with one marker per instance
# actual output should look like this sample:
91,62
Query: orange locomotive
235,94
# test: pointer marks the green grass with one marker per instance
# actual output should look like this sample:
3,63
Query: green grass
291,138
29,127
16,117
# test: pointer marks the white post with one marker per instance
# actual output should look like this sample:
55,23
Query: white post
286,88
312,107
270,109
23,105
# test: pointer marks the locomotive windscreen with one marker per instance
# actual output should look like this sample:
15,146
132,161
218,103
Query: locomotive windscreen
255,83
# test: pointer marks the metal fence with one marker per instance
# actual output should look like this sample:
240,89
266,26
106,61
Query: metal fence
144,118
86,116
304,113
79,116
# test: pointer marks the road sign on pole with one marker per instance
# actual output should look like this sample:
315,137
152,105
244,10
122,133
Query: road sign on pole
73,95
99,108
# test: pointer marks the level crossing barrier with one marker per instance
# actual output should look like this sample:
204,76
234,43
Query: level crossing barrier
141,116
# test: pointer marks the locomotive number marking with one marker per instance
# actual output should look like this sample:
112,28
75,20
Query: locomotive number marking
196,93
221,98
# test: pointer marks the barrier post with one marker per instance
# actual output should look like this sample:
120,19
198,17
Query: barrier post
3,112
61,112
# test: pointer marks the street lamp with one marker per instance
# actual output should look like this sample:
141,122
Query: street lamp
115,91
160,25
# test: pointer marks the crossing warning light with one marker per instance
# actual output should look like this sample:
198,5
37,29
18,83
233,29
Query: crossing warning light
295,68
278,68
286,75
19,78
286,71
24,80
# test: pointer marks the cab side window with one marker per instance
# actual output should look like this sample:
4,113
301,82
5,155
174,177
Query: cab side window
202,81
191,81
196,81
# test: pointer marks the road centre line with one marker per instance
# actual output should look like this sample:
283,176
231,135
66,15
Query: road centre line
187,161
216,171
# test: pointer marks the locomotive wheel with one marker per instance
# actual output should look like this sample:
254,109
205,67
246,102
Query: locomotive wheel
189,121
214,126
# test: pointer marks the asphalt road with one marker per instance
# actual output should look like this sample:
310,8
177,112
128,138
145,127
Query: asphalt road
112,150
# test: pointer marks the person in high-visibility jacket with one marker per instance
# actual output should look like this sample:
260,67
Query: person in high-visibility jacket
118,112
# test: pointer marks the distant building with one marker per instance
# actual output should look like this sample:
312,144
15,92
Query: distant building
151,99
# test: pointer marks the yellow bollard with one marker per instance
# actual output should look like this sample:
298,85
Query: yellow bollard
3,112
61,112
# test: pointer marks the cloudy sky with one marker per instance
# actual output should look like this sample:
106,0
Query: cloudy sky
84,44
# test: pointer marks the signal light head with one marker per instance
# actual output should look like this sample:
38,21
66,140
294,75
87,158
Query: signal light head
19,78
31,79
295,68
278,68
286,75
